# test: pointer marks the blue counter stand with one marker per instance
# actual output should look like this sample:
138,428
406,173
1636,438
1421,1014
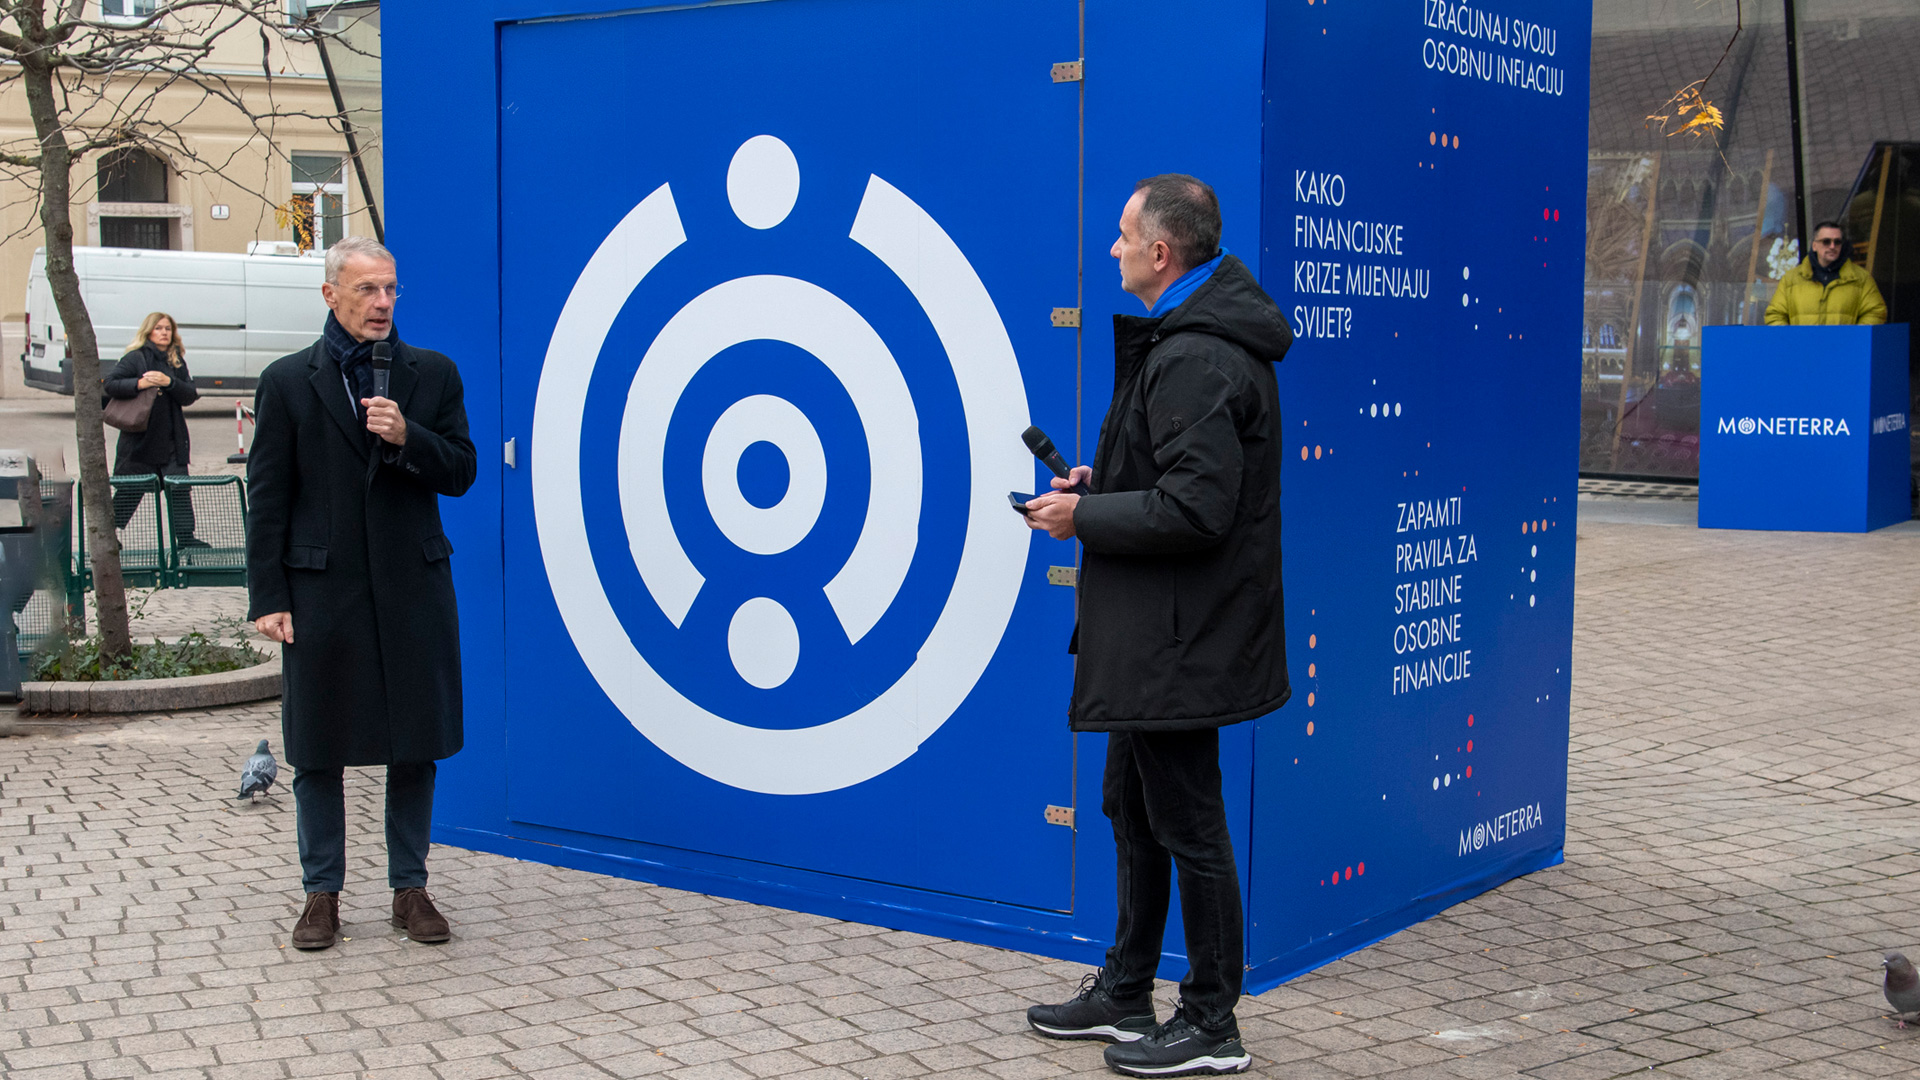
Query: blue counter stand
1804,428
751,309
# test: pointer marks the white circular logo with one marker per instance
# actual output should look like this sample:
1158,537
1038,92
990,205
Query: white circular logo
1747,425
764,644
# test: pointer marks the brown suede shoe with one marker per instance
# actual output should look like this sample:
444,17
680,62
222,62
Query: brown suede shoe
319,923
413,911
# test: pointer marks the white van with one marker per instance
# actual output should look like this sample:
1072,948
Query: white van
237,313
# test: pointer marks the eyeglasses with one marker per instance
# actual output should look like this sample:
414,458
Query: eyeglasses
1825,242
367,291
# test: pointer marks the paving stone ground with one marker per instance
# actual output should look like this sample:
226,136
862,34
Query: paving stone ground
1742,833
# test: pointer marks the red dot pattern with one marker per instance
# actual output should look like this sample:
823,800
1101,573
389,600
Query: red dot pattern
1346,873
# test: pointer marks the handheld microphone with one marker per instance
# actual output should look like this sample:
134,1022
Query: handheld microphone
1043,449
382,368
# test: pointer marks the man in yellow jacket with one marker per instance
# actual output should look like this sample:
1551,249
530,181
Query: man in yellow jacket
1827,289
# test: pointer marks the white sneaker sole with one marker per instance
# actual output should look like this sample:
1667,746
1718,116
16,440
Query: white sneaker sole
1191,1065
1109,1033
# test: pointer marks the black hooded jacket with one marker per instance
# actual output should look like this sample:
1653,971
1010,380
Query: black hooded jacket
1180,605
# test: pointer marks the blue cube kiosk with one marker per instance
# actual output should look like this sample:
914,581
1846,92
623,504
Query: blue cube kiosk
752,302
1804,428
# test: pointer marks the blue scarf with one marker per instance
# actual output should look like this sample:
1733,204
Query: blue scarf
1183,286
355,357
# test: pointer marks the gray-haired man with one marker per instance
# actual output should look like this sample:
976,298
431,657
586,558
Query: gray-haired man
348,567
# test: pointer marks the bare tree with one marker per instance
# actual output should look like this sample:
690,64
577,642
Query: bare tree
97,83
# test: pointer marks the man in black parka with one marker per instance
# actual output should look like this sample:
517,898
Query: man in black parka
348,567
1179,625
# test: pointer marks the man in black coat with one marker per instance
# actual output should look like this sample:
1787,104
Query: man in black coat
1180,626
349,568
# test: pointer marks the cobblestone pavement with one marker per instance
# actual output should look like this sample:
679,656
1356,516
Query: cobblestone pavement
1742,846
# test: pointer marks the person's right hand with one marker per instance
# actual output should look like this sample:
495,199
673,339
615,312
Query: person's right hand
155,378
1079,474
277,626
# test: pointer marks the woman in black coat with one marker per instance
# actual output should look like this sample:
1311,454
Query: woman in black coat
157,358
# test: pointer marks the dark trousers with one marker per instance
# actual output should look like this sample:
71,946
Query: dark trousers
321,804
179,500
1162,792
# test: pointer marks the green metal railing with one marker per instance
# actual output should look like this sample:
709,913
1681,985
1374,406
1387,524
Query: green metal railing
214,552
175,532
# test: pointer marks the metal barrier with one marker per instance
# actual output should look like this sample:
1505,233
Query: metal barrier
137,521
208,531
242,415
200,539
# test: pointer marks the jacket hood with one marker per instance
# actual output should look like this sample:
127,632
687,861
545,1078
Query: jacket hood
1232,306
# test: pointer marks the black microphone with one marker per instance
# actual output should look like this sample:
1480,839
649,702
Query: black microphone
1042,448
382,368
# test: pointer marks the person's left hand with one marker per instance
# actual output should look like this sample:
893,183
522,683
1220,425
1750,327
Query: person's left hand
384,419
1052,513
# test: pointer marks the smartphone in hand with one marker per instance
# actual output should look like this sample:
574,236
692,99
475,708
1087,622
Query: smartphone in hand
1019,501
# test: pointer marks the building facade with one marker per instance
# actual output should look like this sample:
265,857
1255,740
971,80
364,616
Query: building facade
290,179
1688,231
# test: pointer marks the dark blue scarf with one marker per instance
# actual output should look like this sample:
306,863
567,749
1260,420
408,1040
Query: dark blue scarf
355,357
1183,286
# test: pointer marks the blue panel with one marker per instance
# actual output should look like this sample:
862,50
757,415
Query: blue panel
570,126
772,357
1804,427
1432,414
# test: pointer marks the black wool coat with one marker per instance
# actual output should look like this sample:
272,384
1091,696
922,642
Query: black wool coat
165,440
344,532
1180,613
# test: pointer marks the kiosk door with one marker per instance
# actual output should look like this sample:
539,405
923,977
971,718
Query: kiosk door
776,281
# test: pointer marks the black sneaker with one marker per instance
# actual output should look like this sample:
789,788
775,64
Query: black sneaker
1094,1014
1178,1048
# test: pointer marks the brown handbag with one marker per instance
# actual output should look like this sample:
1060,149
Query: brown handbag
130,414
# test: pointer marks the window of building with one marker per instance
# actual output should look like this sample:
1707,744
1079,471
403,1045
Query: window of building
127,10
1607,339
319,200
132,176
150,233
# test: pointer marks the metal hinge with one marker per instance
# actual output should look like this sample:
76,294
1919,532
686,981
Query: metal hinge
1069,71
1060,815
1066,316
510,453
1063,575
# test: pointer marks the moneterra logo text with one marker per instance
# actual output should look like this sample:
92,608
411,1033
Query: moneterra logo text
1782,425
1495,830
1891,422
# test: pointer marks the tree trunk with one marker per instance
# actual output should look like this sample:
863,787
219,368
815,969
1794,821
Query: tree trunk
103,543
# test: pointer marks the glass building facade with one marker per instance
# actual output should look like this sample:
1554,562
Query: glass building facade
1685,232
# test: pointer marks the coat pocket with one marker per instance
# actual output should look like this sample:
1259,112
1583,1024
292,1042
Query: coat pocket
304,557
435,548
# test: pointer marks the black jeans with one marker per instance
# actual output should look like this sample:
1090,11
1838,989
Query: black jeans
320,801
1162,792
179,500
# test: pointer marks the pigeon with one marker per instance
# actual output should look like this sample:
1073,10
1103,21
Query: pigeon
260,772
1903,986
